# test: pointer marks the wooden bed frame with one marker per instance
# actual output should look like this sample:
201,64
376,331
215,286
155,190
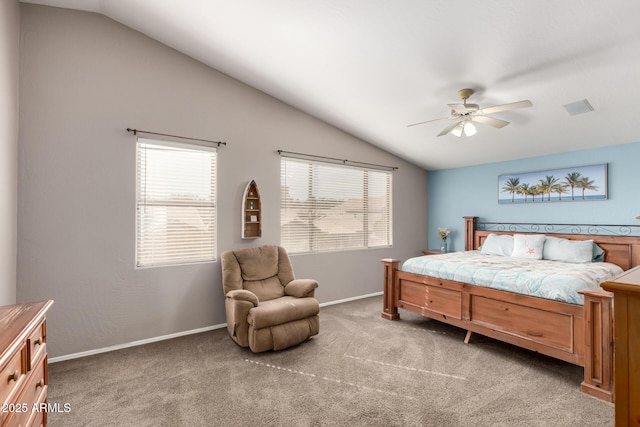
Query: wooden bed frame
578,334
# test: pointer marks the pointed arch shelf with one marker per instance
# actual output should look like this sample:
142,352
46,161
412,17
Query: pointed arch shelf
251,212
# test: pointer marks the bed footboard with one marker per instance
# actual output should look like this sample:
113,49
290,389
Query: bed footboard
581,335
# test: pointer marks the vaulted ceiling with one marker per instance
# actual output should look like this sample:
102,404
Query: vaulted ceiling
371,67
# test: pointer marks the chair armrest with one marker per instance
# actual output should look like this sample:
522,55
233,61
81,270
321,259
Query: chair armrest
238,303
243,295
301,288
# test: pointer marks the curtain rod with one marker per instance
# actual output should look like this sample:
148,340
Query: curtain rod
135,132
343,161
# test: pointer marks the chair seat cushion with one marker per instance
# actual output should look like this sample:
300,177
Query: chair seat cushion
282,310
266,289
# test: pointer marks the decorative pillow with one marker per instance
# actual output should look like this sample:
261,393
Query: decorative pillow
528,246
566,250
497,244
598,254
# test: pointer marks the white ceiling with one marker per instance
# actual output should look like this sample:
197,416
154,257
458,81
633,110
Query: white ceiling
371,67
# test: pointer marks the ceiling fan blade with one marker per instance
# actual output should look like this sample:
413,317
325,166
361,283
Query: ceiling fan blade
428,121
506,107
449,128
491,121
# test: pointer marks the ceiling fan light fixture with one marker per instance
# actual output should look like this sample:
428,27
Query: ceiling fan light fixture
458,130
469,129
464,129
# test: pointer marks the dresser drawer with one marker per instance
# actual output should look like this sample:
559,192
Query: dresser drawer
39,419
35,392
12,377
36,343
36,384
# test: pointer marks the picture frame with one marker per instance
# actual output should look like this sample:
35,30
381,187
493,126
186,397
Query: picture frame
571,184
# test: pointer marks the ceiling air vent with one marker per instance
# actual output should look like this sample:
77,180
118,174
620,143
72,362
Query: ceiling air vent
578,107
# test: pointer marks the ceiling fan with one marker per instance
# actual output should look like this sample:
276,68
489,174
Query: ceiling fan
463,114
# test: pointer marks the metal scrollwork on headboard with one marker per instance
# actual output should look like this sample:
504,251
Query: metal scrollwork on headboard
531,227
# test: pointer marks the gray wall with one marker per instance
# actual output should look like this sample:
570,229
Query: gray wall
85,79
9,77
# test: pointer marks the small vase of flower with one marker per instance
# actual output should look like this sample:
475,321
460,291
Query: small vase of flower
444,233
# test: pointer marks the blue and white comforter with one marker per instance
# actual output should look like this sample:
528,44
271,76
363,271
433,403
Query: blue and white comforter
553,280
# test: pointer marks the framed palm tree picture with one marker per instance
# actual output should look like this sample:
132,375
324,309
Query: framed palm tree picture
572,184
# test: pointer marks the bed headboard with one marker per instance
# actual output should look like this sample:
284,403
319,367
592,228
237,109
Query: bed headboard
621,245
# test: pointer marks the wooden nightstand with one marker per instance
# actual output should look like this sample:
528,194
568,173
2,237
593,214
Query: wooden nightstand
431,252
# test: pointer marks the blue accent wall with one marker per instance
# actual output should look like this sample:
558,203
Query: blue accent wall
454,193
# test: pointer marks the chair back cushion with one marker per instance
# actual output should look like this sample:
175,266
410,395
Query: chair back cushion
258,263
257,270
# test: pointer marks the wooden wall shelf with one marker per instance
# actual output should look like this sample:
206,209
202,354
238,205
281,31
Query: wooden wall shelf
251,212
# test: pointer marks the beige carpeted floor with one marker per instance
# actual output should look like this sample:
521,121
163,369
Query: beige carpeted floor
361,370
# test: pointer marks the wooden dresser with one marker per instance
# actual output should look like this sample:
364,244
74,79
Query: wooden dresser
626,342
23,364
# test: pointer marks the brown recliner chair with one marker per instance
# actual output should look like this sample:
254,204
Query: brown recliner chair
267,307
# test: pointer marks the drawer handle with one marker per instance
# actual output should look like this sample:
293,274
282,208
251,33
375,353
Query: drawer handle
534,333
14,376
40,383
38,341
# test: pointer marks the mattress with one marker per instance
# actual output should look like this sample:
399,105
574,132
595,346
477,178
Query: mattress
554,280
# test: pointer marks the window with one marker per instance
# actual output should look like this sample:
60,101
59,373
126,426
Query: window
176,211
332,207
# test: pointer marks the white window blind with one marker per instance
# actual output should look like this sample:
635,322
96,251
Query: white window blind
176,211
331,207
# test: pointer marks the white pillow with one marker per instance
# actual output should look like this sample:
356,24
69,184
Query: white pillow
528,246
565,250
497,244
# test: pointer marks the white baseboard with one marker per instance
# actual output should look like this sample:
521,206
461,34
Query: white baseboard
134,343
177,334
375,294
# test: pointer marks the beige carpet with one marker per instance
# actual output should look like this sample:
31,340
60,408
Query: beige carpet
361,370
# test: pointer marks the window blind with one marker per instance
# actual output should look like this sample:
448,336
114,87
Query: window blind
331,207
176,211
